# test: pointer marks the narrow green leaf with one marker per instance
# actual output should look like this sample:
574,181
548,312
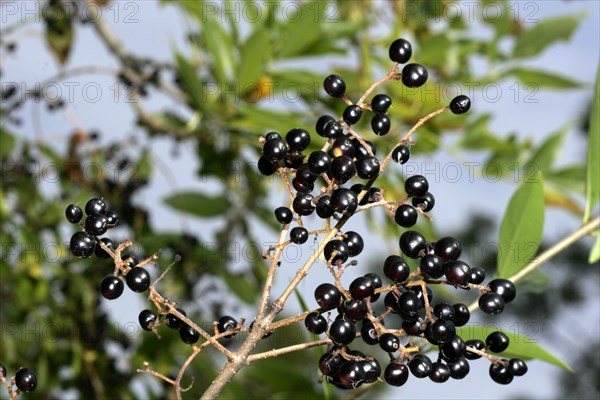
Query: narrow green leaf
300,30
543,34
243,286
59,31
535,282
220,46
571,177
198,204
524,346
592,194
252,58
522,225
7,143
546,153
542,79
190,81
595,252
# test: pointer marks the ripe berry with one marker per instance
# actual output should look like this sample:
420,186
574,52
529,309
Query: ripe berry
73,213
304,175
368,333
318,162
409,303
457,273
412,243
400,51
99,251
344,200
2,370
381,103
497,342
334,86
401,154
395,268
357,188
440,372
380,124
274,149
360,151
96,224
112,218
477,345
272,136
327,296
395,374
460,104
444,311
491,303
330,364
440,331
82,244
138,279
95,206
389,342
342,332
459,368
188,334
376,282
342,169
419,292
301,187
283,215
361,288
372,370
297,139
266,167
500,374
342,146
477,275
324,208
454,348
293,159
504,288
448,248
517,367
414,75
303,204
322,123
355,310
406,216
390,301
226,323
173,321
352,114
461,314
147,318
425,202
336,250
315,323
352,374
432,266
416,185
355,243
111,287
26,380
420,366
299,235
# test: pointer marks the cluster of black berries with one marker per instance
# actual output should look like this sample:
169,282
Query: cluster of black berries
409,295
25,379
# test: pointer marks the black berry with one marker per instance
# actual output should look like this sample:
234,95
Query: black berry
344,200
299,235
497,342
354,242
440,372
327,296
458,273
389,342
500,374
401,154
297,139
342,332
395,374
420,366
336,250
517,367
147,318
361,288
380,124
448,248
432,266
491,303
367,167
138,279
406,216
226,323
112,218
96,224
396,268
412,243
99,251
303,204
95,206
352,114
266,167
283,215
274,149
342,169
324,208
315,323
504,288
416,185
400,51
477,345
381,103
111,287
318,162
188,334
73,213
173,321
425,202
414,75
26,380
82,244
334,86
460,104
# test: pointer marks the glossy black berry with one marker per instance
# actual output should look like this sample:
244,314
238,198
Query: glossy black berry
440,372
272,136
389,342
376,282
396,269
354,242
448,248
419,292
368,333
334,86
352,374
173,321
372,370
460,104
477,275
342,332
412,243
26,380
416,185
304,175
342,169
406,216
99,251
400,51
381,124
409,303
299,235
491,303
477,345
432,266
266,167
440,331
380,103
367,167
138,279
461,314
188,334
517,367
73,213
497,342
395,374
336,250
361,288
324,208
274,149
414,75
355,310
425,202
95,206
390,301
454,348
444,311
500,374
459,368
342,146
147,318
504,288
327,296
111,287
283,215
315,323
457,272
318,162
297,139
352,114
420,366
357,188
321,124
226,323
301,187
82,244
344,200
112,218
96,224
401,154
361,151
330,364
303,204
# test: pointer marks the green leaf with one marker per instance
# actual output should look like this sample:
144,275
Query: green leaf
191,82
541,79
7,143
142,170
220,46
252,58
198,204
592,194
59,31
521,346
546,153
595,252
242,285
543,34
522,225
571,177
300,31
536,281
